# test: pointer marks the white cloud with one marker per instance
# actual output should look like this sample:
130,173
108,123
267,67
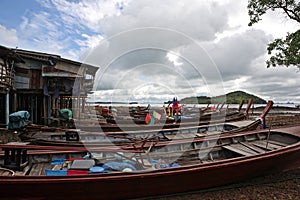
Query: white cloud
200,20
45,3
8,37
41,32
89,41
277,24
174,58
234,55
231,44
88,13
198,46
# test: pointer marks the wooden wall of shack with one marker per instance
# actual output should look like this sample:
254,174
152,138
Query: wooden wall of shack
6,83
8,58
43,84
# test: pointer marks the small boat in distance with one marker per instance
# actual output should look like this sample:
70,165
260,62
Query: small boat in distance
196,118
83,138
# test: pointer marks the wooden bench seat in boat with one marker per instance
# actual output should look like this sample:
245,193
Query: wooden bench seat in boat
240,149
253,147
266,145
39,169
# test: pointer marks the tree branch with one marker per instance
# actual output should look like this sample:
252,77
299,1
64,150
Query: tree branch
293,16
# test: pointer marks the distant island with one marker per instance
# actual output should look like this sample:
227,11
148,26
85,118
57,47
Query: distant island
231,98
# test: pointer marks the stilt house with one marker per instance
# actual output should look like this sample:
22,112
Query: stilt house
42,84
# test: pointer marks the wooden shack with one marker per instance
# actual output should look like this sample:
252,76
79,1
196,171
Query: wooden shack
43,84
8,58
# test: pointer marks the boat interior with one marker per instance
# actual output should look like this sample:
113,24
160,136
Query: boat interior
213,149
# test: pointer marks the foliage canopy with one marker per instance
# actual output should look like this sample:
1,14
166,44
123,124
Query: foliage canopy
284,51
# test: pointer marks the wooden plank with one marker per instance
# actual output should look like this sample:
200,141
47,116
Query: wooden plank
57,167
44,167
273,145
213,133
244,148
180,136
24,172
263,144
18,143
278,143
200,135
34,170
254,148
39,169
236,150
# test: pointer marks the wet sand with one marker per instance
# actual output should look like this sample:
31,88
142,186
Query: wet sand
285,185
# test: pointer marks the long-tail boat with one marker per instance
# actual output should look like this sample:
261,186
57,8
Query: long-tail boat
95,124
83,138
201,117
50,172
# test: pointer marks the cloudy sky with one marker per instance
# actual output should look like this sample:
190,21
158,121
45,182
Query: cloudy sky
153,50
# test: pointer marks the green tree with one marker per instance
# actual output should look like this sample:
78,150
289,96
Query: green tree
284,51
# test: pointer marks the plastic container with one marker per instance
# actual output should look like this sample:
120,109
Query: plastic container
81,164
77,172
96,170
50,172
58,162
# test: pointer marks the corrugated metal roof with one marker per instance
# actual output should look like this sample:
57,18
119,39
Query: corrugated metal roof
60,74
9,53
52,59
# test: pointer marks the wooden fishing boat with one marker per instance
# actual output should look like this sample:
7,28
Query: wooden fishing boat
92,123
221,113
199,118
137,114
199,164
83,138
